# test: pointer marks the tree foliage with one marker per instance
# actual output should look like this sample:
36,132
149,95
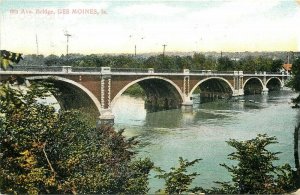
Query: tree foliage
276,65
178,181
43,151
255,172
294,82
224,63
296,74
296,156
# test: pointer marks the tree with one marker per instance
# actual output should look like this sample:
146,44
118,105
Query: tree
177,181
295,81
153,62
43,151
263,63
296,155
198,61
187,62
32,60
210,63
255,172
52,60
247,64
276,65
225,64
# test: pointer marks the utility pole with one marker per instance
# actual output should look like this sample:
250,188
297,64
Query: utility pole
164,45
37,45
134,50
67,35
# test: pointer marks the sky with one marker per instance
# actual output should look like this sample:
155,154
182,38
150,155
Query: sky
40,26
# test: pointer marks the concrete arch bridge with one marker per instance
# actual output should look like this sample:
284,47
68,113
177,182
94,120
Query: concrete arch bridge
99,88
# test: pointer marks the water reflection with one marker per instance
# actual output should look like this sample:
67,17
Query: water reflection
164,119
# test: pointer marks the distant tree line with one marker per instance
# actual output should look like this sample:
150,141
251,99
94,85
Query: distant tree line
198,61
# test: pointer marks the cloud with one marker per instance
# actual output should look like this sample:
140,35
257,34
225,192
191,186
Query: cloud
233,11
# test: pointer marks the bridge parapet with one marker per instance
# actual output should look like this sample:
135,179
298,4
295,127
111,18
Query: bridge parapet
64,69
41,68
263,73
150,70
108,70
86,69
283,73
209,72
67,69
105,70
186,71
135,70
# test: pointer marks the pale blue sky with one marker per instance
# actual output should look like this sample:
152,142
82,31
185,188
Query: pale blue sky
116,26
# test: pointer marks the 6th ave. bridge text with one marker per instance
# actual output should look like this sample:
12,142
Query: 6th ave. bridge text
79,11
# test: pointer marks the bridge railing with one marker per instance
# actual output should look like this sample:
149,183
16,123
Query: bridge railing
167,71
136,70
263,72
39,68
254,72
67,69
56,69
86,69
211,72
281,73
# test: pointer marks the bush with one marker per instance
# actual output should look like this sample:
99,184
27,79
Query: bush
177,181
43,151
255,172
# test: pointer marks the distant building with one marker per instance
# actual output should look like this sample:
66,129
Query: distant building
287,68
235,59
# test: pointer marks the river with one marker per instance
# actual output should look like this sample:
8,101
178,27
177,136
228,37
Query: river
166,135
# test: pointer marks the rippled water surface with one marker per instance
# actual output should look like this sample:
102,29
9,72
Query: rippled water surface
202,133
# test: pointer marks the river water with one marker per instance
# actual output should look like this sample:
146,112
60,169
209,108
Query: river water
167,135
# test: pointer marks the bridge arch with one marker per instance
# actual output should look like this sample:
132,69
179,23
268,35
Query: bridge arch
262,84
168,81
275,78
253,85
72,83
206,79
